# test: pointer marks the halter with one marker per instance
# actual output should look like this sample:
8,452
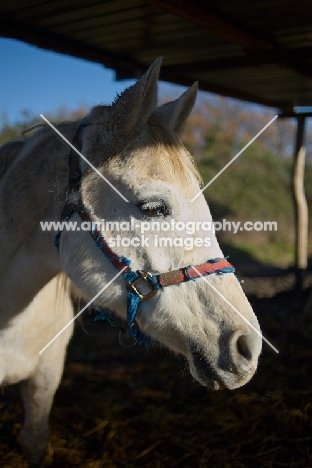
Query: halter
155,282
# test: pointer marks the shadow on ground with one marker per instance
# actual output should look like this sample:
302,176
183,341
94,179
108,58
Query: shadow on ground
137,408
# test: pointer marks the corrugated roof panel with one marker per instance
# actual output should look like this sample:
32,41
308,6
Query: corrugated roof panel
267,82
87,14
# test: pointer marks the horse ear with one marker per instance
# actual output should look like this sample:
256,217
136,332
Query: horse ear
124,119
175,113
135,105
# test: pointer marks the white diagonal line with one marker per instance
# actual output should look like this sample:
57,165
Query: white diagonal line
82,310
233,159
85,159
235,310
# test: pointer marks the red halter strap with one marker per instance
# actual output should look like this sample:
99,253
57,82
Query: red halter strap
217,265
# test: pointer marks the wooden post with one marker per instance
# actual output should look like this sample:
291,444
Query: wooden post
301,207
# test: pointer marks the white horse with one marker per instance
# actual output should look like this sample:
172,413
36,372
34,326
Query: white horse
134,144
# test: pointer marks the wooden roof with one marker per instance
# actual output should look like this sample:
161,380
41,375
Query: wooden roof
255,50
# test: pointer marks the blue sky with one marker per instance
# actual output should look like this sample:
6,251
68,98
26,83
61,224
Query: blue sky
41,81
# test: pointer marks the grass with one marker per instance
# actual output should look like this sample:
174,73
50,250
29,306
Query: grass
256,187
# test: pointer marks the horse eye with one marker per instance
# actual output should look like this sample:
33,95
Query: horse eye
154,208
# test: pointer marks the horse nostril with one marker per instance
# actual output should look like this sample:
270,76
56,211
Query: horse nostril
243,348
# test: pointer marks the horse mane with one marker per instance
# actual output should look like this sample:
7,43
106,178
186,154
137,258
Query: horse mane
175,158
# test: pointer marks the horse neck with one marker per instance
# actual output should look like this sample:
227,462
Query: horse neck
32,190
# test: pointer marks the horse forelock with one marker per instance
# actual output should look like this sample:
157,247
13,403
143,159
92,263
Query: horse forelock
151,146
163,153
176,157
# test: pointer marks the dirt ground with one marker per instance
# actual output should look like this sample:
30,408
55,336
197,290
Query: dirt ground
135,408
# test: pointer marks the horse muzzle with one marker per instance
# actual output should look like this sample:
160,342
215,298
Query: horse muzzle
232,368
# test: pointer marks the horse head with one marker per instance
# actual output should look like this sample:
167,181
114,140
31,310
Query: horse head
136,146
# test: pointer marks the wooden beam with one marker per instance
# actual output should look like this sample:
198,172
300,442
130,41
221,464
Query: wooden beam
193,14
301,206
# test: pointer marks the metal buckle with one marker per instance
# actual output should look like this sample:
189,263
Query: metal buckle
143,275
